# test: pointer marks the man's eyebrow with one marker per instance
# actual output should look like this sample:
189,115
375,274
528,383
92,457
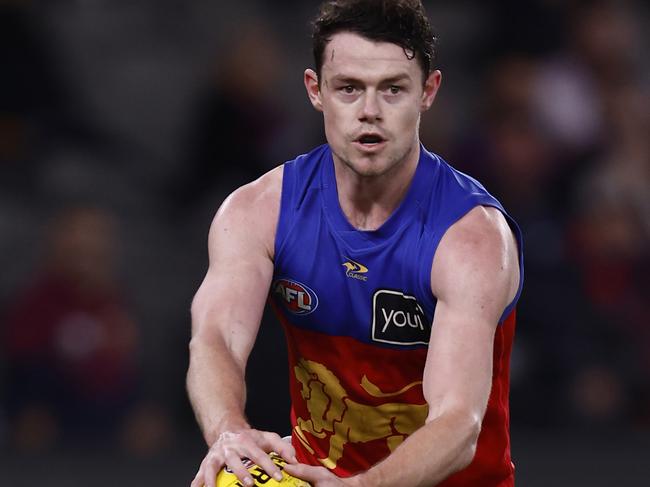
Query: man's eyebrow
397,78
342,78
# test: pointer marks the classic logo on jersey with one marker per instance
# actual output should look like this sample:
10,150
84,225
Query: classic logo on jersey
398,319
336,417
296,297
354,270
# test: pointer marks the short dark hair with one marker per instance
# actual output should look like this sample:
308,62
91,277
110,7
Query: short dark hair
401,22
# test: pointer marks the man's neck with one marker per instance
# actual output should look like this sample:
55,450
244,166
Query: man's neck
368,202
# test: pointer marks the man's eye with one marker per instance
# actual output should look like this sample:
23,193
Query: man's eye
349,89
394,90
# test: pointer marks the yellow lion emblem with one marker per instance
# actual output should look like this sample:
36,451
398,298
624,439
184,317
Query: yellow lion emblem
332,413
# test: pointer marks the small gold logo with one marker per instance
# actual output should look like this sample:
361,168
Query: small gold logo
354,270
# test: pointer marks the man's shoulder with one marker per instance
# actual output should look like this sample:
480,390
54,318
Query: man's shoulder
266,186
482,245
250,213
480,226
261,195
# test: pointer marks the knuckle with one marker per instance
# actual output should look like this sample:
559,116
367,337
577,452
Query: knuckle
273,436
254,443
213,458
231,459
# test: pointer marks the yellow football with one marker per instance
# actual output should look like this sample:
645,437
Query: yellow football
226,478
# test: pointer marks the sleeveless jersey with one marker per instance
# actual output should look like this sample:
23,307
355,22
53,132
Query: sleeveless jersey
357,310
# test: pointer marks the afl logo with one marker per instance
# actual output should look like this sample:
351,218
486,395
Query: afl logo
296,297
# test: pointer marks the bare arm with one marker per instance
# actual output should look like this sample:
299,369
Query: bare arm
475,275
226,314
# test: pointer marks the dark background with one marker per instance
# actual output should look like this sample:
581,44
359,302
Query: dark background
124,124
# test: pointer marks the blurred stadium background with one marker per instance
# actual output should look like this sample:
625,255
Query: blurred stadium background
124,124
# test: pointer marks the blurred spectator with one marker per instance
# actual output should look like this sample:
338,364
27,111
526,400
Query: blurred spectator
599,56
506,148
70,338
238,117
610,241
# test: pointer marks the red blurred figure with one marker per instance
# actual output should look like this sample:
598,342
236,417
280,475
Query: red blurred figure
69,336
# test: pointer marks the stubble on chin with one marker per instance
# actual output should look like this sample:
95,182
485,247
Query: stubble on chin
383,164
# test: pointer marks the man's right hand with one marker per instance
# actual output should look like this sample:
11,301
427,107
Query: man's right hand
232,446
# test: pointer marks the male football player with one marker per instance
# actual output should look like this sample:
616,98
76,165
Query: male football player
394,276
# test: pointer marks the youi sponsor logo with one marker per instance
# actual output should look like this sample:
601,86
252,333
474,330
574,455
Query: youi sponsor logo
398,319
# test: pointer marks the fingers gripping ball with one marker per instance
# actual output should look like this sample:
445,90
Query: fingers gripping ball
226,478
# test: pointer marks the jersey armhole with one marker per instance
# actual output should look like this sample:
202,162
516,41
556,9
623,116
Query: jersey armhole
286,208
520,258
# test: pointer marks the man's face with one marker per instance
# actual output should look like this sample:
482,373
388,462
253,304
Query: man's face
371,95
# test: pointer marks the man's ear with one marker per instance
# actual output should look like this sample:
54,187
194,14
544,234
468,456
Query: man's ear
431,86
313,90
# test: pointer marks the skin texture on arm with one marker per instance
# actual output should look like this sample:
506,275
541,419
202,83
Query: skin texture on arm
226,314
475,275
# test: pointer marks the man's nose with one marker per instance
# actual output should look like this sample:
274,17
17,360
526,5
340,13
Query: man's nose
370,109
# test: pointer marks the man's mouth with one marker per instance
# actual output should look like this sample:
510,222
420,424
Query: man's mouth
370,139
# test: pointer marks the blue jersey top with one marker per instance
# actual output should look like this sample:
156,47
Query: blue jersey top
357,306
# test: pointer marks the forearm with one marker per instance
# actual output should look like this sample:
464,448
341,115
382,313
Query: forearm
216,388
442,446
